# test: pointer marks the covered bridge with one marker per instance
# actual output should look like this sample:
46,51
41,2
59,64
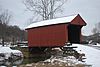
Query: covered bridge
55,32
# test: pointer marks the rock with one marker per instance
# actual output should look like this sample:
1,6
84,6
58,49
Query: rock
28,65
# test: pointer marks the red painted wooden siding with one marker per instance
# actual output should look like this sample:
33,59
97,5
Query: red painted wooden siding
48,36
78,21
52,35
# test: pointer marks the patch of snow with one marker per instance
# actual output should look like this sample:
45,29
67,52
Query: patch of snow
98,45
2,66
90,41
17,52
0,45
92,55
1,59
52,21
23,46
7,51
14,66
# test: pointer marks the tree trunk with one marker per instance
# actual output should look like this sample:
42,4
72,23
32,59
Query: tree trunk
2,41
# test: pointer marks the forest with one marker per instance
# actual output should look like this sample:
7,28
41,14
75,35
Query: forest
9,33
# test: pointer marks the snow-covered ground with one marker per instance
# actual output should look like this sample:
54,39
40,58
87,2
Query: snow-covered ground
92,54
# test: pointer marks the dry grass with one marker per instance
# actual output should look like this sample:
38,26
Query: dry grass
80,65
50,65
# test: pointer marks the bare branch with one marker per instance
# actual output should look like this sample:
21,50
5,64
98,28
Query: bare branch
45,8
5,17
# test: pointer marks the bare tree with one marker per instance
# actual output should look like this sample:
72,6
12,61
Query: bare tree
5,17
96,29
44,8
98,26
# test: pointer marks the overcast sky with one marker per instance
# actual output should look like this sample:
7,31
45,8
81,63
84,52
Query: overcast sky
88,9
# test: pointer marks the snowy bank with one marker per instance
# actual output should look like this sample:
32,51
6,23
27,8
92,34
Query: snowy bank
92,54
7,51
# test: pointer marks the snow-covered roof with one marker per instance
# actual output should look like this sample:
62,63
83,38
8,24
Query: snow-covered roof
52,21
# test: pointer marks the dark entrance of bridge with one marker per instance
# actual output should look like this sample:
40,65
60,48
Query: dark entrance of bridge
74,33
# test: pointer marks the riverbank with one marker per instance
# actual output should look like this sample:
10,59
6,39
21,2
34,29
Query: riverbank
51,65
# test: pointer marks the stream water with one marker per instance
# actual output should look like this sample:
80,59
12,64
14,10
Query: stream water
21,61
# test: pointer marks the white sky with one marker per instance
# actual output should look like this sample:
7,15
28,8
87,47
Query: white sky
88,9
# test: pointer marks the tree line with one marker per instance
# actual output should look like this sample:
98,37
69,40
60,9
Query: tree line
12,34
95,37
9,33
